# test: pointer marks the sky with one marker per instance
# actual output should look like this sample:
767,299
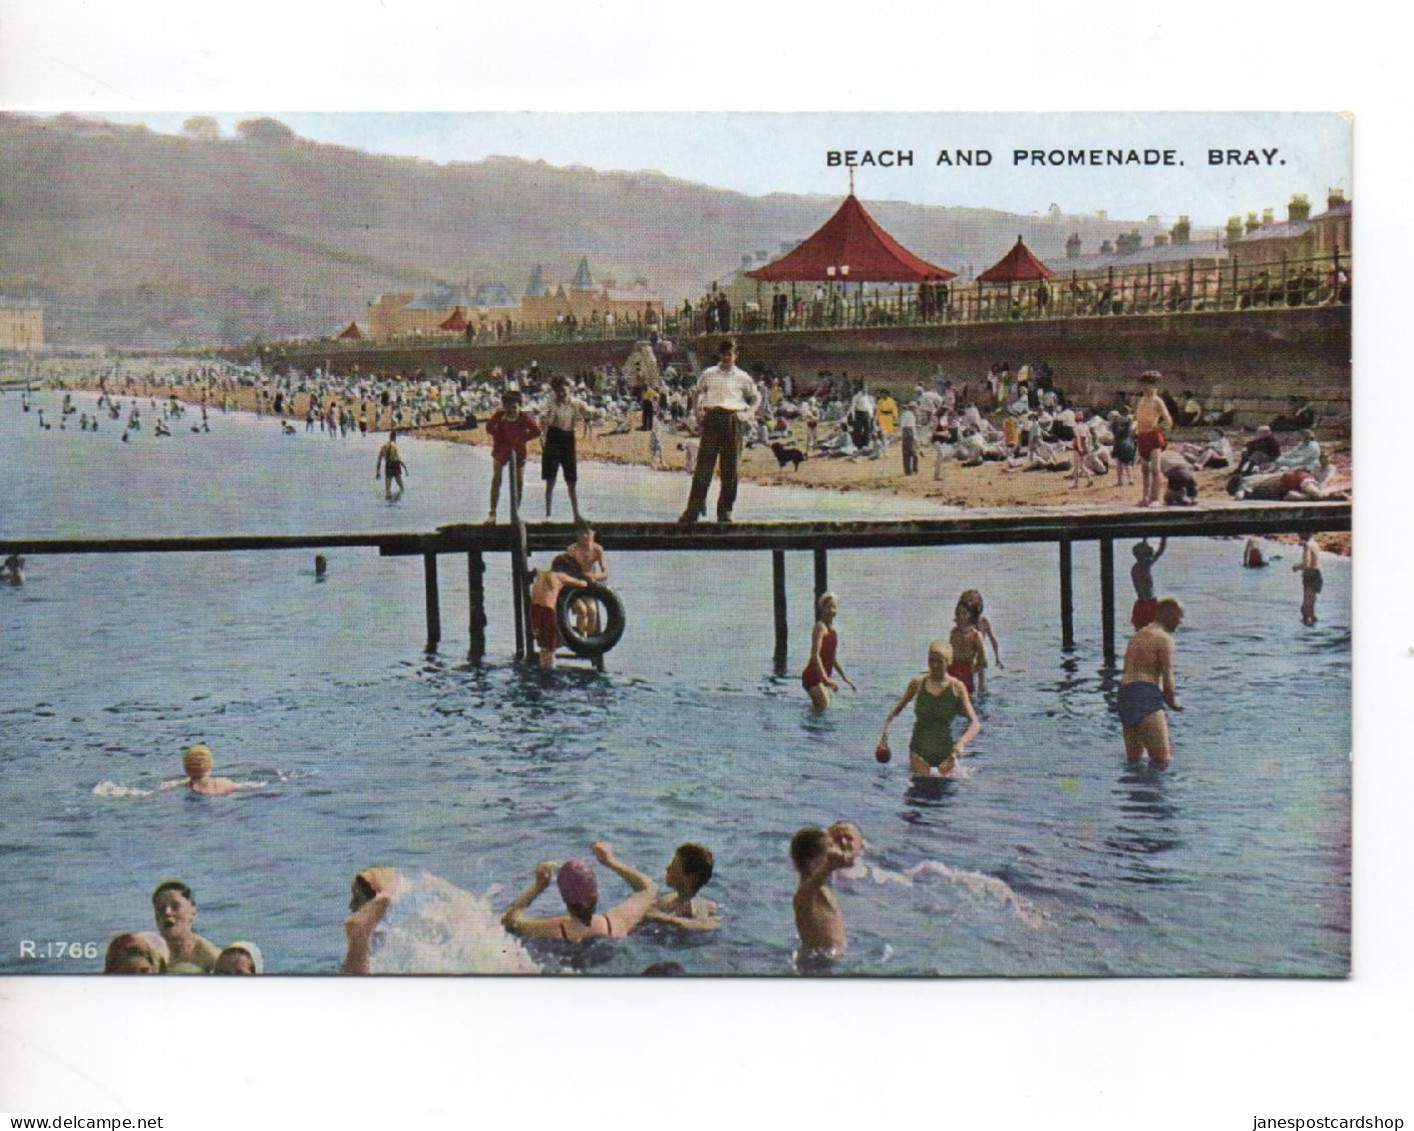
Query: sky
761,153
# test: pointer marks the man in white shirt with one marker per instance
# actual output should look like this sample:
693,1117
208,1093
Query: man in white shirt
861,417
727,399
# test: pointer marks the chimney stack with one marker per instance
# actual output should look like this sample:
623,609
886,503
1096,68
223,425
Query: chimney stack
1234,230
1072,246
1160,239
1334,196
1182,231
1267,217
1252,223
1299,209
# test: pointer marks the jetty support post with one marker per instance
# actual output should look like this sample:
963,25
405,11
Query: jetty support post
778,586
822,574
1107,597
476,600
1067,599
434,612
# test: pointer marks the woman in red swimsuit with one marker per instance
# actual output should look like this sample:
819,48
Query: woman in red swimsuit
580,891
823,664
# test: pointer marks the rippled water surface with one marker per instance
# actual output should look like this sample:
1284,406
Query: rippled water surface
1046,856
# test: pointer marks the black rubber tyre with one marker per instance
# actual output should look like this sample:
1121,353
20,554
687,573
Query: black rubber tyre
611,630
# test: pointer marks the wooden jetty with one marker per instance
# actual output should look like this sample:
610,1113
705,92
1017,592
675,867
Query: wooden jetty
1063,525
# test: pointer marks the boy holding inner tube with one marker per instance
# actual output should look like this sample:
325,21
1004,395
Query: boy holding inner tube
544,595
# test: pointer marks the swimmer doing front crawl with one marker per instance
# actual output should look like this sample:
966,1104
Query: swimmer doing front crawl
1148,684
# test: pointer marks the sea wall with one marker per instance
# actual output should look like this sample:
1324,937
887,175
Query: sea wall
1258,358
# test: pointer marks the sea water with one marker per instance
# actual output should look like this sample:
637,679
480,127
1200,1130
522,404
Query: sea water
1047,855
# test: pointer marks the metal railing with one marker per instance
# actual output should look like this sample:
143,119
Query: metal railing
1202,284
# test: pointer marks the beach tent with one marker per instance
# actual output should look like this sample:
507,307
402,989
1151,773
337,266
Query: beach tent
850,247
454,322
350,332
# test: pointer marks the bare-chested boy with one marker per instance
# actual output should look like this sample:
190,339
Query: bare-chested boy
1151,420
1148,684
1311,580
687,874
1142,574
818,921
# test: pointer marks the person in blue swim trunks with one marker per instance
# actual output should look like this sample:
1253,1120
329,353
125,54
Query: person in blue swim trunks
1148,685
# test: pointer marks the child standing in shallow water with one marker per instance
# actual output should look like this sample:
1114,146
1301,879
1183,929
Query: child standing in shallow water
970,630
1141,573
817,856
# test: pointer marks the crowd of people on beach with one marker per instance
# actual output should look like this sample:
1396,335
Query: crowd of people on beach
1023,422
1020,422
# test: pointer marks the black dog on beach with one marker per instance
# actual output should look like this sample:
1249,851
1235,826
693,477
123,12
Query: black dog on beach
785,455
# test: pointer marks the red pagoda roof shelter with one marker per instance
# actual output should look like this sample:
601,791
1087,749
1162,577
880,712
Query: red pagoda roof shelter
1016,266
851,247
350,332
454,321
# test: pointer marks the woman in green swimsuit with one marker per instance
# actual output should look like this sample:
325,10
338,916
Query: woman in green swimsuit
938,698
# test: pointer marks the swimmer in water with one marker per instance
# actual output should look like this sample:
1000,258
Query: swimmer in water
1148,684
1311,580
818,922
391,465
174,907
13,571
373,892
938,699
1141,573
143,952
580,891
1252,555
544,596
824,639
240,958
687,874
197,762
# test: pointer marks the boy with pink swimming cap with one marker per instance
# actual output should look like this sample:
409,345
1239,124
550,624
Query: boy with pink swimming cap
580,890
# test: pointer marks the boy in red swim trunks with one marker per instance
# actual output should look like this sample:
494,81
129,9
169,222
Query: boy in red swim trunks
544,595
510,431
1142,574
1151,419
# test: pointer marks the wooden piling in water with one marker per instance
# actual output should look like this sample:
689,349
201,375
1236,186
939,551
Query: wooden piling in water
822,574
1107,597
434,612
476,602
778,586
1067,598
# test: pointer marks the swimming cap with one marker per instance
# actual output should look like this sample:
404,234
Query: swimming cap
257,960
577,884
197,759
381,879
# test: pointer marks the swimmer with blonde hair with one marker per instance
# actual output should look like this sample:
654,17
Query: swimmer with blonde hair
937,699
1147,686
197,762
824,639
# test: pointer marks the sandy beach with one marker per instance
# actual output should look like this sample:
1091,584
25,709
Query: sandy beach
990,485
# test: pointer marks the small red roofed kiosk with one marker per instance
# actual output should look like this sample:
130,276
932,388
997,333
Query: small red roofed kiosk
1019,266
350,333
454,323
